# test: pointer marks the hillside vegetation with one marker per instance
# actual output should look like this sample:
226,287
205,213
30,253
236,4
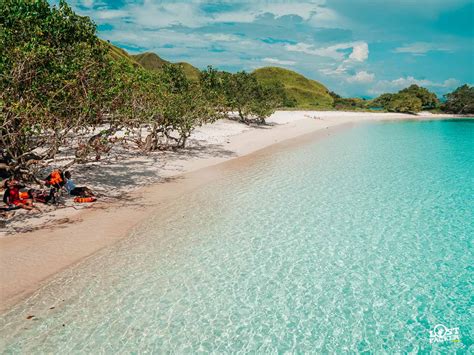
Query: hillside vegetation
152,61
64,91
191,72
301,92
119,54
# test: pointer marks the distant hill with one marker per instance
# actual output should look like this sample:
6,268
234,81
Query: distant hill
192,73
119,53
308,94
152,61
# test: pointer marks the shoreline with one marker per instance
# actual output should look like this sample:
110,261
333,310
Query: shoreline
30,259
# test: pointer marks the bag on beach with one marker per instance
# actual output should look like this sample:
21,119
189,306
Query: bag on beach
85,199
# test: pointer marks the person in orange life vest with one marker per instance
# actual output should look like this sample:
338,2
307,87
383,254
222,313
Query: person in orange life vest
73,190
55,179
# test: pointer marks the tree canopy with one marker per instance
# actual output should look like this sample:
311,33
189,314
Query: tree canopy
428,99
412,99
55,77
460,100
62,88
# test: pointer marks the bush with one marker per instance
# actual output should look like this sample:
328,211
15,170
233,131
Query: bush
404,103
460,100
54,75
409,100
428,99
250,99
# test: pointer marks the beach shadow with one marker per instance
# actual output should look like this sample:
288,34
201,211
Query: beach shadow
113,178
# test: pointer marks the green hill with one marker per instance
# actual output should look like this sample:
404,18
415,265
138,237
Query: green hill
192,73
308,94
152,61
119,53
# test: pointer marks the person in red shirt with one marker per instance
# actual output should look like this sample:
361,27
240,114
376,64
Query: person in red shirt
12,196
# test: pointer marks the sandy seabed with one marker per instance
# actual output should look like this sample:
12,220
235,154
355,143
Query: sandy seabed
35,247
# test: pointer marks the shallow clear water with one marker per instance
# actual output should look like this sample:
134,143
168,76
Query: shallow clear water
361,241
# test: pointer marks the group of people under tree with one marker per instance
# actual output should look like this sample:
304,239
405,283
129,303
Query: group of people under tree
17,196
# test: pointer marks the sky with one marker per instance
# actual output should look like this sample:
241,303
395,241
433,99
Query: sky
355,47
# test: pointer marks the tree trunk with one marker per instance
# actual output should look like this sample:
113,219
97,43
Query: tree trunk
242,117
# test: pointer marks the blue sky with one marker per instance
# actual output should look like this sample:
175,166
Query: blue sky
355,47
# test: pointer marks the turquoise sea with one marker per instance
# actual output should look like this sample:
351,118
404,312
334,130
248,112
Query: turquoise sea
361,241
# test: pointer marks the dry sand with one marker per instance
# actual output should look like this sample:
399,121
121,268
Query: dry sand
35,247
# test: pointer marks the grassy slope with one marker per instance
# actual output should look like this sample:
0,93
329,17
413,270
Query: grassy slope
152,61
119,53
192,73
309,94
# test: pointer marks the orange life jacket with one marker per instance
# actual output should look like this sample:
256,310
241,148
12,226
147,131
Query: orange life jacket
55,178
85,199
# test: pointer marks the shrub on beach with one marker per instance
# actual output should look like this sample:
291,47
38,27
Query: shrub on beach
64,89
460,101
184,105
241,93
54,78
428,99
251,100
349,104
404,103
412,99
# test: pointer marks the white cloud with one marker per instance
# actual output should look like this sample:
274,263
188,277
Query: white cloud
278,61
153,14
222,37
235,16
403,82
359,53
88,3
110,14
305,10
161,15
361,77
420,48
153,39
324,17
451,83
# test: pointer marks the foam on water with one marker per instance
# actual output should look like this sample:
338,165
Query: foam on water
362,241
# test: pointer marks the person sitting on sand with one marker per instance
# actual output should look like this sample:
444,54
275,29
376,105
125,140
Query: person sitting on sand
8,207
55,179
12,196
73,190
